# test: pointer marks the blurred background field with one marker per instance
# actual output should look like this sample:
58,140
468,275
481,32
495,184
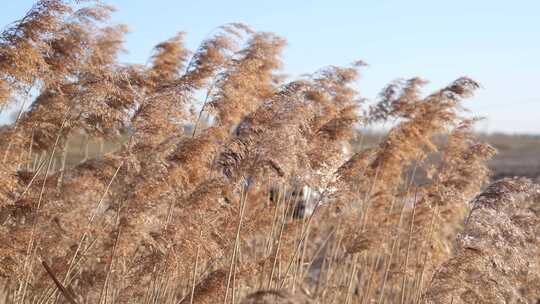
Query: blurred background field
517,155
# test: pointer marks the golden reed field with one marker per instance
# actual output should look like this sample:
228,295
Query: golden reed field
219,180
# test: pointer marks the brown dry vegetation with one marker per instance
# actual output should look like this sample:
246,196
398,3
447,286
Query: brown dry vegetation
251,194
517,154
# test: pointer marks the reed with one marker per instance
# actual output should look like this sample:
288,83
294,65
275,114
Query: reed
219,179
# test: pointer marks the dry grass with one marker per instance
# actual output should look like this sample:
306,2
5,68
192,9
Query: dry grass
121,185
498,251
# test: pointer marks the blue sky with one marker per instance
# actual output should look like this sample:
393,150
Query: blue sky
494,42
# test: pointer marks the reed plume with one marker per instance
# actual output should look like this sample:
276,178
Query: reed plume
230,182
497,257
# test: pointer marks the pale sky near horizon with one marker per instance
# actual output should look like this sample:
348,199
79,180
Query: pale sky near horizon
495,42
